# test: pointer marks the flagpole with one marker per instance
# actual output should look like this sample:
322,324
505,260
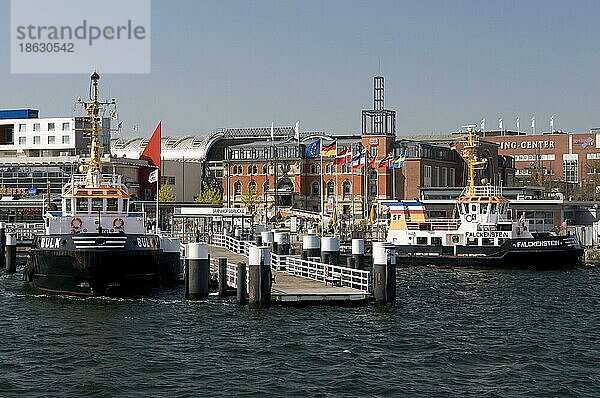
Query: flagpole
157,199
322,197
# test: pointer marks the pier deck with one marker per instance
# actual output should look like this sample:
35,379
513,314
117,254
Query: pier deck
289,289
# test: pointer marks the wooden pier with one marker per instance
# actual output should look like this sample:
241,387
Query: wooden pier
289,288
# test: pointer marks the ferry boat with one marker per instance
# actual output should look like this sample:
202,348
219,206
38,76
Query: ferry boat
94,246
483,235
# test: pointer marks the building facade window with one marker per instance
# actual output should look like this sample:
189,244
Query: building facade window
444,182
570,170
22,140
315,189
50,126
252,187
373,183
436,177
373,151
66,139
66,126
330,188
252,169
22,128
452,180
237,188
265,169
51,139
426,176
328,169
347,188
36,127
266,187
36,139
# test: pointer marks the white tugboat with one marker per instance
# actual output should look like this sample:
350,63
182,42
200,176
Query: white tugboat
483,236
94,245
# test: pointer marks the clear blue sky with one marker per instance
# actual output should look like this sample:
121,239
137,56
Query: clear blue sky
446,63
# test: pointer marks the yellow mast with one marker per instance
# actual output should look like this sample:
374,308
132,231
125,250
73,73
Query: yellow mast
95,110
470,141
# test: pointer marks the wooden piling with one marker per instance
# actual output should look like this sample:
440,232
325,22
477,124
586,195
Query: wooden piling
11,253
384,273
259,272
222,277
241,283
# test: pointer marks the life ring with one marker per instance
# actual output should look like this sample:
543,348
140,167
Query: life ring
76,223
118,223
469,217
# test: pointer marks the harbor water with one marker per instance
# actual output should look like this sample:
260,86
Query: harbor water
454,332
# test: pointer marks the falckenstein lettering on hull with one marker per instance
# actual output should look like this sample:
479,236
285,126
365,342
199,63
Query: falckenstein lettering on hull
537,243
488,234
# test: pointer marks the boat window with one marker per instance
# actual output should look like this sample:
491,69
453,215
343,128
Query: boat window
471,241
68,204
465,208
504,227
82,204
125,205
493,208
436,240
96,204
455,239
421,240
483,208
111,204
474,207
501,241
487,241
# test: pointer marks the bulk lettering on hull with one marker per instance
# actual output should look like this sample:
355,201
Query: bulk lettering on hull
50,243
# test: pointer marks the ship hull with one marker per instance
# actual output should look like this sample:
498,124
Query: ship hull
558,252
94,264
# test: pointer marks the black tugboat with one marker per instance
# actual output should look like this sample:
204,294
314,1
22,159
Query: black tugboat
484,235
94,246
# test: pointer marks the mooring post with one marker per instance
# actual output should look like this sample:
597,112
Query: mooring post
223,276
311,246
267,238
282,240
198,271
358,253
2,243
384,273
11,253
241,283
330,250
259,272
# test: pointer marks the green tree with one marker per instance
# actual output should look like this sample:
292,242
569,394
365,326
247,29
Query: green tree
252,200
211,193
165,194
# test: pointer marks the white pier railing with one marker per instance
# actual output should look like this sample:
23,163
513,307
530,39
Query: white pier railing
334,274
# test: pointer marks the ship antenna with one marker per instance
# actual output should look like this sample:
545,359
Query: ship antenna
470,143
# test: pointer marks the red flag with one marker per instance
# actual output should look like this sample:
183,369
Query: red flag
386,160
373,163
152,151
344,156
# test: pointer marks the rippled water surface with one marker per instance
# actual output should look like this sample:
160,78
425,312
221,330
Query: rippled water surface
452,333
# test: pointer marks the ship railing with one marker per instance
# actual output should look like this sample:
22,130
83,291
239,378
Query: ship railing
335,274
80,180
441,224
482,190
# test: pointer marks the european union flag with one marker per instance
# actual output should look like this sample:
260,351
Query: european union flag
313,149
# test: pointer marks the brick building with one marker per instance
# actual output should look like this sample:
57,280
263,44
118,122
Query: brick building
561,162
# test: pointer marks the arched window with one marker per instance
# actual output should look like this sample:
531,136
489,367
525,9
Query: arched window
313,169
315,188
347,188
330,188
265,169
328,169
237,188
252,187
286,184
266,187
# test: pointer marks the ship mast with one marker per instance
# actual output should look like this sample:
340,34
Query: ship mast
470,141
95,110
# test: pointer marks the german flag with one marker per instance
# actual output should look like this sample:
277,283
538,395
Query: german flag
329,150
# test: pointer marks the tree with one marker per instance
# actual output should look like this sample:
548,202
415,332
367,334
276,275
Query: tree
165,194
211,193
252,200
